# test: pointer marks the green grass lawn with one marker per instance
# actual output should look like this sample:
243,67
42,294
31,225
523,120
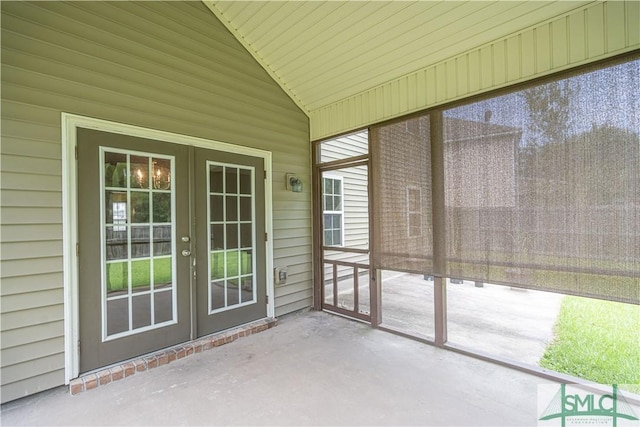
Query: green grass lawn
597,340
217,264
117,277
117,273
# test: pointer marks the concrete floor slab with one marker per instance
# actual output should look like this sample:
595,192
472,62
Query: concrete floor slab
313,369
511,323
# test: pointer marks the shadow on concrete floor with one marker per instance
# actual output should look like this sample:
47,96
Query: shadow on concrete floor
313,369
506,322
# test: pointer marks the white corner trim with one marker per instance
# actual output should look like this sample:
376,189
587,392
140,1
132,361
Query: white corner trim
70,124
69,242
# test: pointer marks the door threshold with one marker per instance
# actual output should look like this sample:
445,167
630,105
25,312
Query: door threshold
106,375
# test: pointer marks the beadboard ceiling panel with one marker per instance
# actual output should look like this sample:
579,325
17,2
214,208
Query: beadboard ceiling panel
321,52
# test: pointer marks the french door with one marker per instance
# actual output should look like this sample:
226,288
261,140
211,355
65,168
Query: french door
230,206
169,244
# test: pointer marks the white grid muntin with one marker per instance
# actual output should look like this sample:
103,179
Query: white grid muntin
340,212
128,224
224,251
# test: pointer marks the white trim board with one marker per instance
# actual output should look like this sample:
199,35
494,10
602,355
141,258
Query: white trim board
70,124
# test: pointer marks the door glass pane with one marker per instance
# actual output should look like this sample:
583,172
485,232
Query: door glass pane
118,316
161,174
232,263
245,209
232,236
217,293
116,242
163,306
245,181
116,207
138,207
217,265
217,208
117,278
246,236
231,177
216,179
233,296
246,262
162,273
141,307
140,241
231,227
232,208
217,236
139,172
246,289
161,240
161,207
115,170
140,276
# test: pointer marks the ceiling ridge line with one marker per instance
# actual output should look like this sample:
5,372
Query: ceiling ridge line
279,81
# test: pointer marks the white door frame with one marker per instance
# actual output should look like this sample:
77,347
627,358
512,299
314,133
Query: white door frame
70,124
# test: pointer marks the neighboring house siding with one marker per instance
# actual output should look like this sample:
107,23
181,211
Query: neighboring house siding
597,31
168,66
355,200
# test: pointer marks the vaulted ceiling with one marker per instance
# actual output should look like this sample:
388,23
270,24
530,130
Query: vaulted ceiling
323,51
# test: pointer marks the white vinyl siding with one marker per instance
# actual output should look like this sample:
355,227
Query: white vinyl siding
169,66
355,199
355,205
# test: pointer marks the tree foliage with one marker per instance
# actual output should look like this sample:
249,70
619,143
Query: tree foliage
599,167
548,106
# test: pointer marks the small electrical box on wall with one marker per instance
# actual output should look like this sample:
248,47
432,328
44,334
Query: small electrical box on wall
280,275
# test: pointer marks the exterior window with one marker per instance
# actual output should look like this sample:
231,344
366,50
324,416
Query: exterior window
414,212
333,211
119,215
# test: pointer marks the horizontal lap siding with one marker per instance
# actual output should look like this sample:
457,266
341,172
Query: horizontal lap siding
167,66
355,201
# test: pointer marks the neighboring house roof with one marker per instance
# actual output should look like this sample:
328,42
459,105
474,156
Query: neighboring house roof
460,130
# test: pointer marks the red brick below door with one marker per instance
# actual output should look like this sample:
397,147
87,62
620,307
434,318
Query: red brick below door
143,363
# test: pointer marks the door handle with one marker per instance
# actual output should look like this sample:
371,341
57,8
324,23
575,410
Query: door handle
186,252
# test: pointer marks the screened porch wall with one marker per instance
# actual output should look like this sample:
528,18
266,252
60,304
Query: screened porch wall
540,186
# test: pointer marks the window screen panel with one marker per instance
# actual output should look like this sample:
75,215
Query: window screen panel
401,172
542,186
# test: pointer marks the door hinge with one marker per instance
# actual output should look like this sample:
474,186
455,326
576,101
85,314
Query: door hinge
266,237
76,152
267,299
78,346
77,249
265,174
